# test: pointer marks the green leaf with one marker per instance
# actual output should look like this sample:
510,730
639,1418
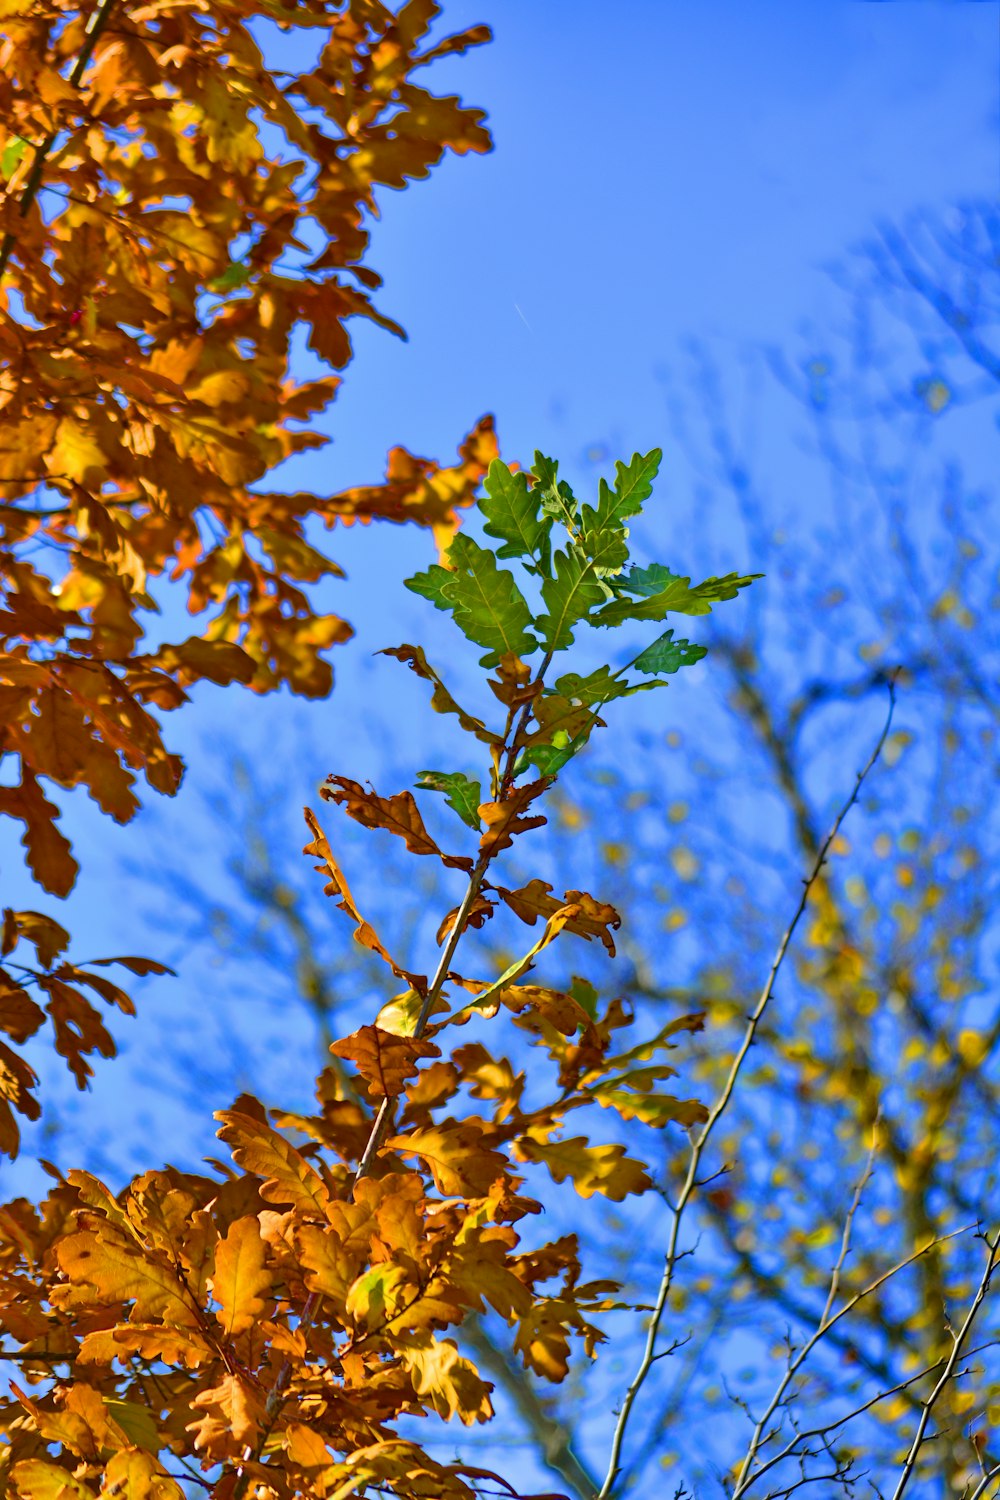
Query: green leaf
607,549
584,994
487,604
461,793
136,1422
511,509
11,156
662,592
235,275
667,655
570,594
650,581
600,686
431,585
558,500
550,759
633,487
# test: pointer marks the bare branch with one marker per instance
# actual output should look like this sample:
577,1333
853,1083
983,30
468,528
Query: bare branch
701,1139
920,1436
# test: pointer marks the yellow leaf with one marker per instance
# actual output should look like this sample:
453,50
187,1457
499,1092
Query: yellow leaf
34,1479
591,1169
448,1383
134,1475
220,387
972,1047
76,454
240,1277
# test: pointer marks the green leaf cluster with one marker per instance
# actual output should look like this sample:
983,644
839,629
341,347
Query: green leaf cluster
576,557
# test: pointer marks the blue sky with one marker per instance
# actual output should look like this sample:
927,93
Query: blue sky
662,171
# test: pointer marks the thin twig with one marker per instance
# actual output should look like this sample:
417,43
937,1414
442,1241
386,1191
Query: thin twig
718,1109
795,1363
903,1385
984,1483
920,1436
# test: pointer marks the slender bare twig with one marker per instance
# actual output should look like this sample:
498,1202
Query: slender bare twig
700,1140
796,1361
958,1339
744,1482
979,1492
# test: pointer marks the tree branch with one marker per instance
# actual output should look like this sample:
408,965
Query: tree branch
718,1109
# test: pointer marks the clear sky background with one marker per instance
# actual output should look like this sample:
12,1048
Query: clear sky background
664,169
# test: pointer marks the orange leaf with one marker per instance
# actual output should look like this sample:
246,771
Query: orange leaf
288,1176
506,819
385,1061
241,1277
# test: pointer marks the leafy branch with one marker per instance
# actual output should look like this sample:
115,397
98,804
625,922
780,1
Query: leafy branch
96,23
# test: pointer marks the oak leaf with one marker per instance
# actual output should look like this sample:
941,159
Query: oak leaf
593,918
337,885
135,1475
37,1479
288,1177
399,815
241,1277
113,1273
459,1156
591,1169
506,819
449,1383
385,1061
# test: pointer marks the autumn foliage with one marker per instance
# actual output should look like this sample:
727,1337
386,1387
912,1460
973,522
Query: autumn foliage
171,214
175,212
264,1328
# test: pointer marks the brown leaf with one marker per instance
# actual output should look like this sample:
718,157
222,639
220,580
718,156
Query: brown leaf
399,815
441,699
49,857
386,1062
45,935
506,819
513,685
337,885
594,918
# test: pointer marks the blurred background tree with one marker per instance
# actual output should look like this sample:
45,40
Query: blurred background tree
887,1029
